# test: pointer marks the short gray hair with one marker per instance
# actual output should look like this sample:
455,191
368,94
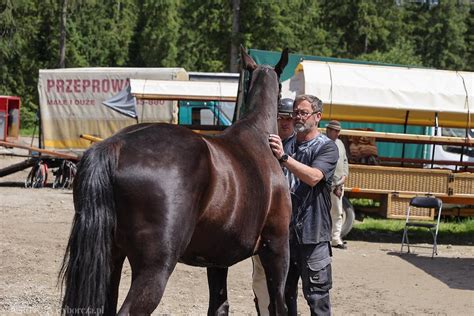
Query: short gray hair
316,104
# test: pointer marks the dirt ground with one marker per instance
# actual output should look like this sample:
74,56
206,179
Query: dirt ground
369,278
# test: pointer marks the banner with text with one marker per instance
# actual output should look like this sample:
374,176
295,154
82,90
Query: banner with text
71,103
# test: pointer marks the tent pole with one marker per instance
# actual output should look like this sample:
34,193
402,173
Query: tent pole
404,132
435,134
462,151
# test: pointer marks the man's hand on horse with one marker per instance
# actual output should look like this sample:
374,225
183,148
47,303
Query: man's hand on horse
276,145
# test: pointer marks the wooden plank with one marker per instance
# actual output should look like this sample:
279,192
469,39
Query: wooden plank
91,138
43,151
183,97
409,138
428,161
377,191
17,167
372,168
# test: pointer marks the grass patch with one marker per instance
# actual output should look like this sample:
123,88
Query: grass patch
390,230
28,131
364,203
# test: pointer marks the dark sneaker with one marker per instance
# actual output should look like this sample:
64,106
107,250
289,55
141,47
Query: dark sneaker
340,246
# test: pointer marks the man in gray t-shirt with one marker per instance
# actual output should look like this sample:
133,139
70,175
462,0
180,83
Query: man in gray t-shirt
310,159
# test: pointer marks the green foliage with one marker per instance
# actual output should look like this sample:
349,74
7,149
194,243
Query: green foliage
402,53
158,30
29,131
469,38
205,35
362,27
364,203
196,35
440,33
100,33
18,25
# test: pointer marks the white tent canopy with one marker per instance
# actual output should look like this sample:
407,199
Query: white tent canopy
385,94
184,90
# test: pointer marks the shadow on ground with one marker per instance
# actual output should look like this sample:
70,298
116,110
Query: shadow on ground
457,273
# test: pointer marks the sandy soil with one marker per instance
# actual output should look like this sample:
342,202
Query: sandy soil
370,278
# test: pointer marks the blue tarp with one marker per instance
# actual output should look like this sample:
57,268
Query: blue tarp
123,102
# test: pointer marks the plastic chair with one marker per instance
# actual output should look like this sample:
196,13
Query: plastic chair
423,202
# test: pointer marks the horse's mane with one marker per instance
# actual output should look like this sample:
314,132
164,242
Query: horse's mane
262,98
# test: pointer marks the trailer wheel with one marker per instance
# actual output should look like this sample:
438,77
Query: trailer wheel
38,176
348,216
64,175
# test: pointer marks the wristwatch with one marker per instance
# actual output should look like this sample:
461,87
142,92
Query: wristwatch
283,158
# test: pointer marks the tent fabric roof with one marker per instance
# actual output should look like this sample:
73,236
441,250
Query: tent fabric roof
184,90
385,94
127,70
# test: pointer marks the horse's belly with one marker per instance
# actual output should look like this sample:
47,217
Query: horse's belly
217,251
197,260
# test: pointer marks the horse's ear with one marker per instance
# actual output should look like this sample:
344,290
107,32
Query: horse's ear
248,62
282,63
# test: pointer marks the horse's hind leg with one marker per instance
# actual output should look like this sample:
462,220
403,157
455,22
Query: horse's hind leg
152,256
114,283
275,259
217,280
149,278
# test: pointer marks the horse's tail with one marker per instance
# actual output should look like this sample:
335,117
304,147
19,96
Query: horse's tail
86,268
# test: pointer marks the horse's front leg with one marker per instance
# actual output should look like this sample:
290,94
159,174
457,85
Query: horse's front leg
274,255
217,280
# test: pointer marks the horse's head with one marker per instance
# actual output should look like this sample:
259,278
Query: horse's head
264,89
250,65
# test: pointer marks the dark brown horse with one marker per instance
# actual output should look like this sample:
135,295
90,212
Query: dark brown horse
159,194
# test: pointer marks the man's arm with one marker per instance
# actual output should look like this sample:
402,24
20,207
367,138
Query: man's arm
309,175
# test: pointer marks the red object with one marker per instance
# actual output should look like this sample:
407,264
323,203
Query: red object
9,118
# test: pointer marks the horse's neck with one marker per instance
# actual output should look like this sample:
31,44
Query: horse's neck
263,120
263,104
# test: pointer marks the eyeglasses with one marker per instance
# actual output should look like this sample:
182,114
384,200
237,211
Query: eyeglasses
302,114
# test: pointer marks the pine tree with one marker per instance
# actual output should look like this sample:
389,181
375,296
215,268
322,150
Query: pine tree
272,25
205,35
100,32
362,27
156,34
18,25
439,33
469,39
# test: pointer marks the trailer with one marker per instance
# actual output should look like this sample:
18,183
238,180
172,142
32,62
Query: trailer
40,161
425,98
9,117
